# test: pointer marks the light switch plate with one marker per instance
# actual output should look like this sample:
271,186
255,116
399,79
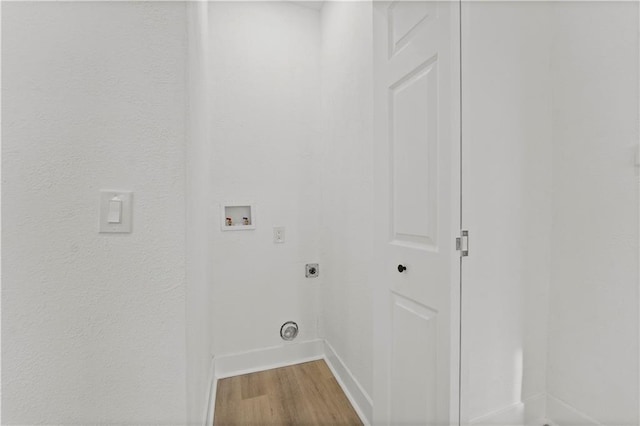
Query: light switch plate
124,226
278,234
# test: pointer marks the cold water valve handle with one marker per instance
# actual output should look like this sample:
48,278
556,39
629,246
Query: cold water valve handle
401,268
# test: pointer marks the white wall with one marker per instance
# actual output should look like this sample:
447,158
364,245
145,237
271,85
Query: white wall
93,324
198,224
347,184
264,97
593,323
506,128
550,195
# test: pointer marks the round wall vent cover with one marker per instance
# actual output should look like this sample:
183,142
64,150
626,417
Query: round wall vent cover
289,330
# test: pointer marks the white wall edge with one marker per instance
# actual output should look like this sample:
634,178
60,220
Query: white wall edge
252,361
638,151
562,414
210,406
529,412
357,396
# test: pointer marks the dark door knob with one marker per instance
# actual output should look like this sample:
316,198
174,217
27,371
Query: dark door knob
401,268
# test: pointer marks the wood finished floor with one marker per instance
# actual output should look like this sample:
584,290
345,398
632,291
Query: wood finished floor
302,394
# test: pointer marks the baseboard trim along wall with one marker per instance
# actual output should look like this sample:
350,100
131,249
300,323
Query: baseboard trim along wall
562,414
211,396
282,356
529,412
267,358
359,398
537,410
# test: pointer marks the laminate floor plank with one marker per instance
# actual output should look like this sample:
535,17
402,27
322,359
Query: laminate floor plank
305,394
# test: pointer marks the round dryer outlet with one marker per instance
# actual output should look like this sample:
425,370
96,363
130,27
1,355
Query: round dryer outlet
289,330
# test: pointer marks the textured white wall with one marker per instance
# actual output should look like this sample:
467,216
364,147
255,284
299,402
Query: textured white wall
347,184
264,77
593,323
506,203
93,325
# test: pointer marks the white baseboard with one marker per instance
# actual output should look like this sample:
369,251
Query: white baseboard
360,400
562,414
268,358
530,412
211,397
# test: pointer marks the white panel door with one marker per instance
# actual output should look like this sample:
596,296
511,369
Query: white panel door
417,171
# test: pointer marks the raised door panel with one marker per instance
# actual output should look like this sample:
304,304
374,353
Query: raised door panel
414,390
413,138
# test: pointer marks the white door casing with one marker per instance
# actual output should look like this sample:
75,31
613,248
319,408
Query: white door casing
417,195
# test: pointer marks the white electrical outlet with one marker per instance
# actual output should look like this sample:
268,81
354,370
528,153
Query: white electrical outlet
278,234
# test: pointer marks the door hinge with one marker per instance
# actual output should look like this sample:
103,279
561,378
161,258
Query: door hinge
462,243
